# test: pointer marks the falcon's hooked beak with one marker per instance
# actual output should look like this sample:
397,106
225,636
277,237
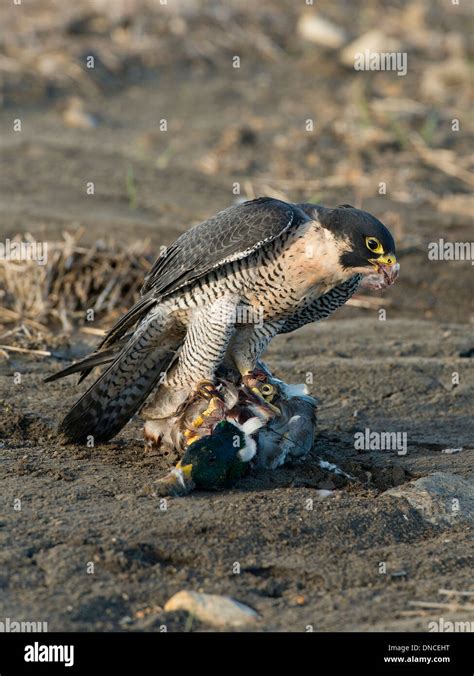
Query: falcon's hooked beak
387,266
386,272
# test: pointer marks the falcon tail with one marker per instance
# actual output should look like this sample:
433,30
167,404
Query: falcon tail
85,365
117,395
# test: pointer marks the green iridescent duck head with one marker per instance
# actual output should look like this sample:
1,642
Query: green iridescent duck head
219,460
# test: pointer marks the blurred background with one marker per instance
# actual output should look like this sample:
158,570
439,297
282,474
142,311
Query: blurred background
143,99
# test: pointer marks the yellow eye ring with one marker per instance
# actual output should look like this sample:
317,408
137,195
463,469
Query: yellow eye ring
373,244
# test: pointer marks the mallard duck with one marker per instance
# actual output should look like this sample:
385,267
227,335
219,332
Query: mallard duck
224,429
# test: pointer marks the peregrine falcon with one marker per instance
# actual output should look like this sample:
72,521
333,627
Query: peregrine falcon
216,298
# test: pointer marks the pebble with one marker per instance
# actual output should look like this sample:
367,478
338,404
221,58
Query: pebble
373,41
321,31
440,498
212,609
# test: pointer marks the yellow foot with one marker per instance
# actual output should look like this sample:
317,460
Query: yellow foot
207,391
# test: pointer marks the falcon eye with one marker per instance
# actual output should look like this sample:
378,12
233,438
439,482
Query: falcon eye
373,244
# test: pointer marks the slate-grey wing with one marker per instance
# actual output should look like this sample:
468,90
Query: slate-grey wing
230,235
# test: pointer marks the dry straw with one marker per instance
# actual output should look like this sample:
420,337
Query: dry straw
39,301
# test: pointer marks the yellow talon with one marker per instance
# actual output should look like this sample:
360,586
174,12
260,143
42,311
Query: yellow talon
206,389
191,434
197,422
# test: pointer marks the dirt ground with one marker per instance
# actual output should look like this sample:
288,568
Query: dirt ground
298,566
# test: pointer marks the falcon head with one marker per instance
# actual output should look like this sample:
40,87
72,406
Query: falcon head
365,245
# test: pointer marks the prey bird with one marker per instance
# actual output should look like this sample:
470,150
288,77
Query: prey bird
215,299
